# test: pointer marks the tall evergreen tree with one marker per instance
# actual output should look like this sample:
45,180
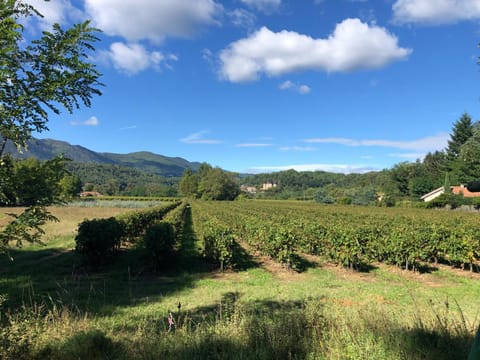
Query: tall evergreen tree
461,132
469,159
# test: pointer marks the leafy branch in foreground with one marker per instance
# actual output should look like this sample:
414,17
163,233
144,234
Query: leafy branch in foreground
37,77
25,227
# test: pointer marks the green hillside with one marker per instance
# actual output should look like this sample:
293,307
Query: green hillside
44,149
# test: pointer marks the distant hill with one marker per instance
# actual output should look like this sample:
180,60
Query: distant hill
45,149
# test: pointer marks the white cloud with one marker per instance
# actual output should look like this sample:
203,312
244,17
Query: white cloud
58,11
242,18
92,121
304,89
253,145
198,138
410,156
297,148
429,143
353,45
435,11
266,6
152,19
131,127
133,58
301,89
336,168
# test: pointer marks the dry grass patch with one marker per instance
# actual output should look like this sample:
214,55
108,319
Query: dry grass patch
69,218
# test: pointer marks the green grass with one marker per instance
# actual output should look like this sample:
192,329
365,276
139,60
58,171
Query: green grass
56,308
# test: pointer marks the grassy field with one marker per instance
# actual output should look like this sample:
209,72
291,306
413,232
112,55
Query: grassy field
53,307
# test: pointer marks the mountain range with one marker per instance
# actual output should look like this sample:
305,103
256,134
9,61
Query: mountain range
46,149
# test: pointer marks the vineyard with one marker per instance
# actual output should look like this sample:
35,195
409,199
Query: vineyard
353,237
244,280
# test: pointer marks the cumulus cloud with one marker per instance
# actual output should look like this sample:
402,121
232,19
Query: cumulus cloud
301,89
353,45
92,121
429,143
152,19
435,11
266,6
199,138
336,168
133,58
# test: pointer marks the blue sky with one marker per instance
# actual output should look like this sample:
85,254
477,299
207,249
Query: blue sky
266,85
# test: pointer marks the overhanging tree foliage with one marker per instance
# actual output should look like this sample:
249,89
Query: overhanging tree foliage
38,77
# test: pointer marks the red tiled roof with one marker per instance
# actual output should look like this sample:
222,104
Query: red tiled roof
457,190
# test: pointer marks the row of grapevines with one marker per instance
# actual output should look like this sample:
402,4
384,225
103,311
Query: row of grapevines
162,237
352,236
216,237
136,222
97,239
266,237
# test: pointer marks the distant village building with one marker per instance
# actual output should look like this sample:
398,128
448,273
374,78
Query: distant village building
90,194
268,186
457,190
248,189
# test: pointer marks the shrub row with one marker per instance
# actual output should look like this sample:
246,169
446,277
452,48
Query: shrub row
97,239
161,239
177,218
135,223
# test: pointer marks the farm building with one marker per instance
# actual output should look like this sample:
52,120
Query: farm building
90,194
457,190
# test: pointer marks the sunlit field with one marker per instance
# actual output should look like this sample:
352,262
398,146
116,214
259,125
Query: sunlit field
53,306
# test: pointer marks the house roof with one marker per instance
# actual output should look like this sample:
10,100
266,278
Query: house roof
457,190
433,192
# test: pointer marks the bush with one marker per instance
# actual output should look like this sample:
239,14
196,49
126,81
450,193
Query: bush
135,223
159,240
452,200
98,238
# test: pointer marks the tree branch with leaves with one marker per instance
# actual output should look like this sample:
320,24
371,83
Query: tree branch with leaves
37,78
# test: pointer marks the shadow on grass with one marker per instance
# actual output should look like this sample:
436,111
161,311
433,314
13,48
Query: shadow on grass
43,276
301,264
364,267
231,329
92,345
428,344
242,260
425,268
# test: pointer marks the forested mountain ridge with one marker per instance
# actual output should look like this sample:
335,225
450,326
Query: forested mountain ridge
45,149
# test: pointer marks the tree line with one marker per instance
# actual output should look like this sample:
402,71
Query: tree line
458,163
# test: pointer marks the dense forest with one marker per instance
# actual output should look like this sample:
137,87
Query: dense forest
121,180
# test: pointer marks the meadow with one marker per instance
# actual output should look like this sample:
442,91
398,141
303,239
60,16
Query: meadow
53,306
